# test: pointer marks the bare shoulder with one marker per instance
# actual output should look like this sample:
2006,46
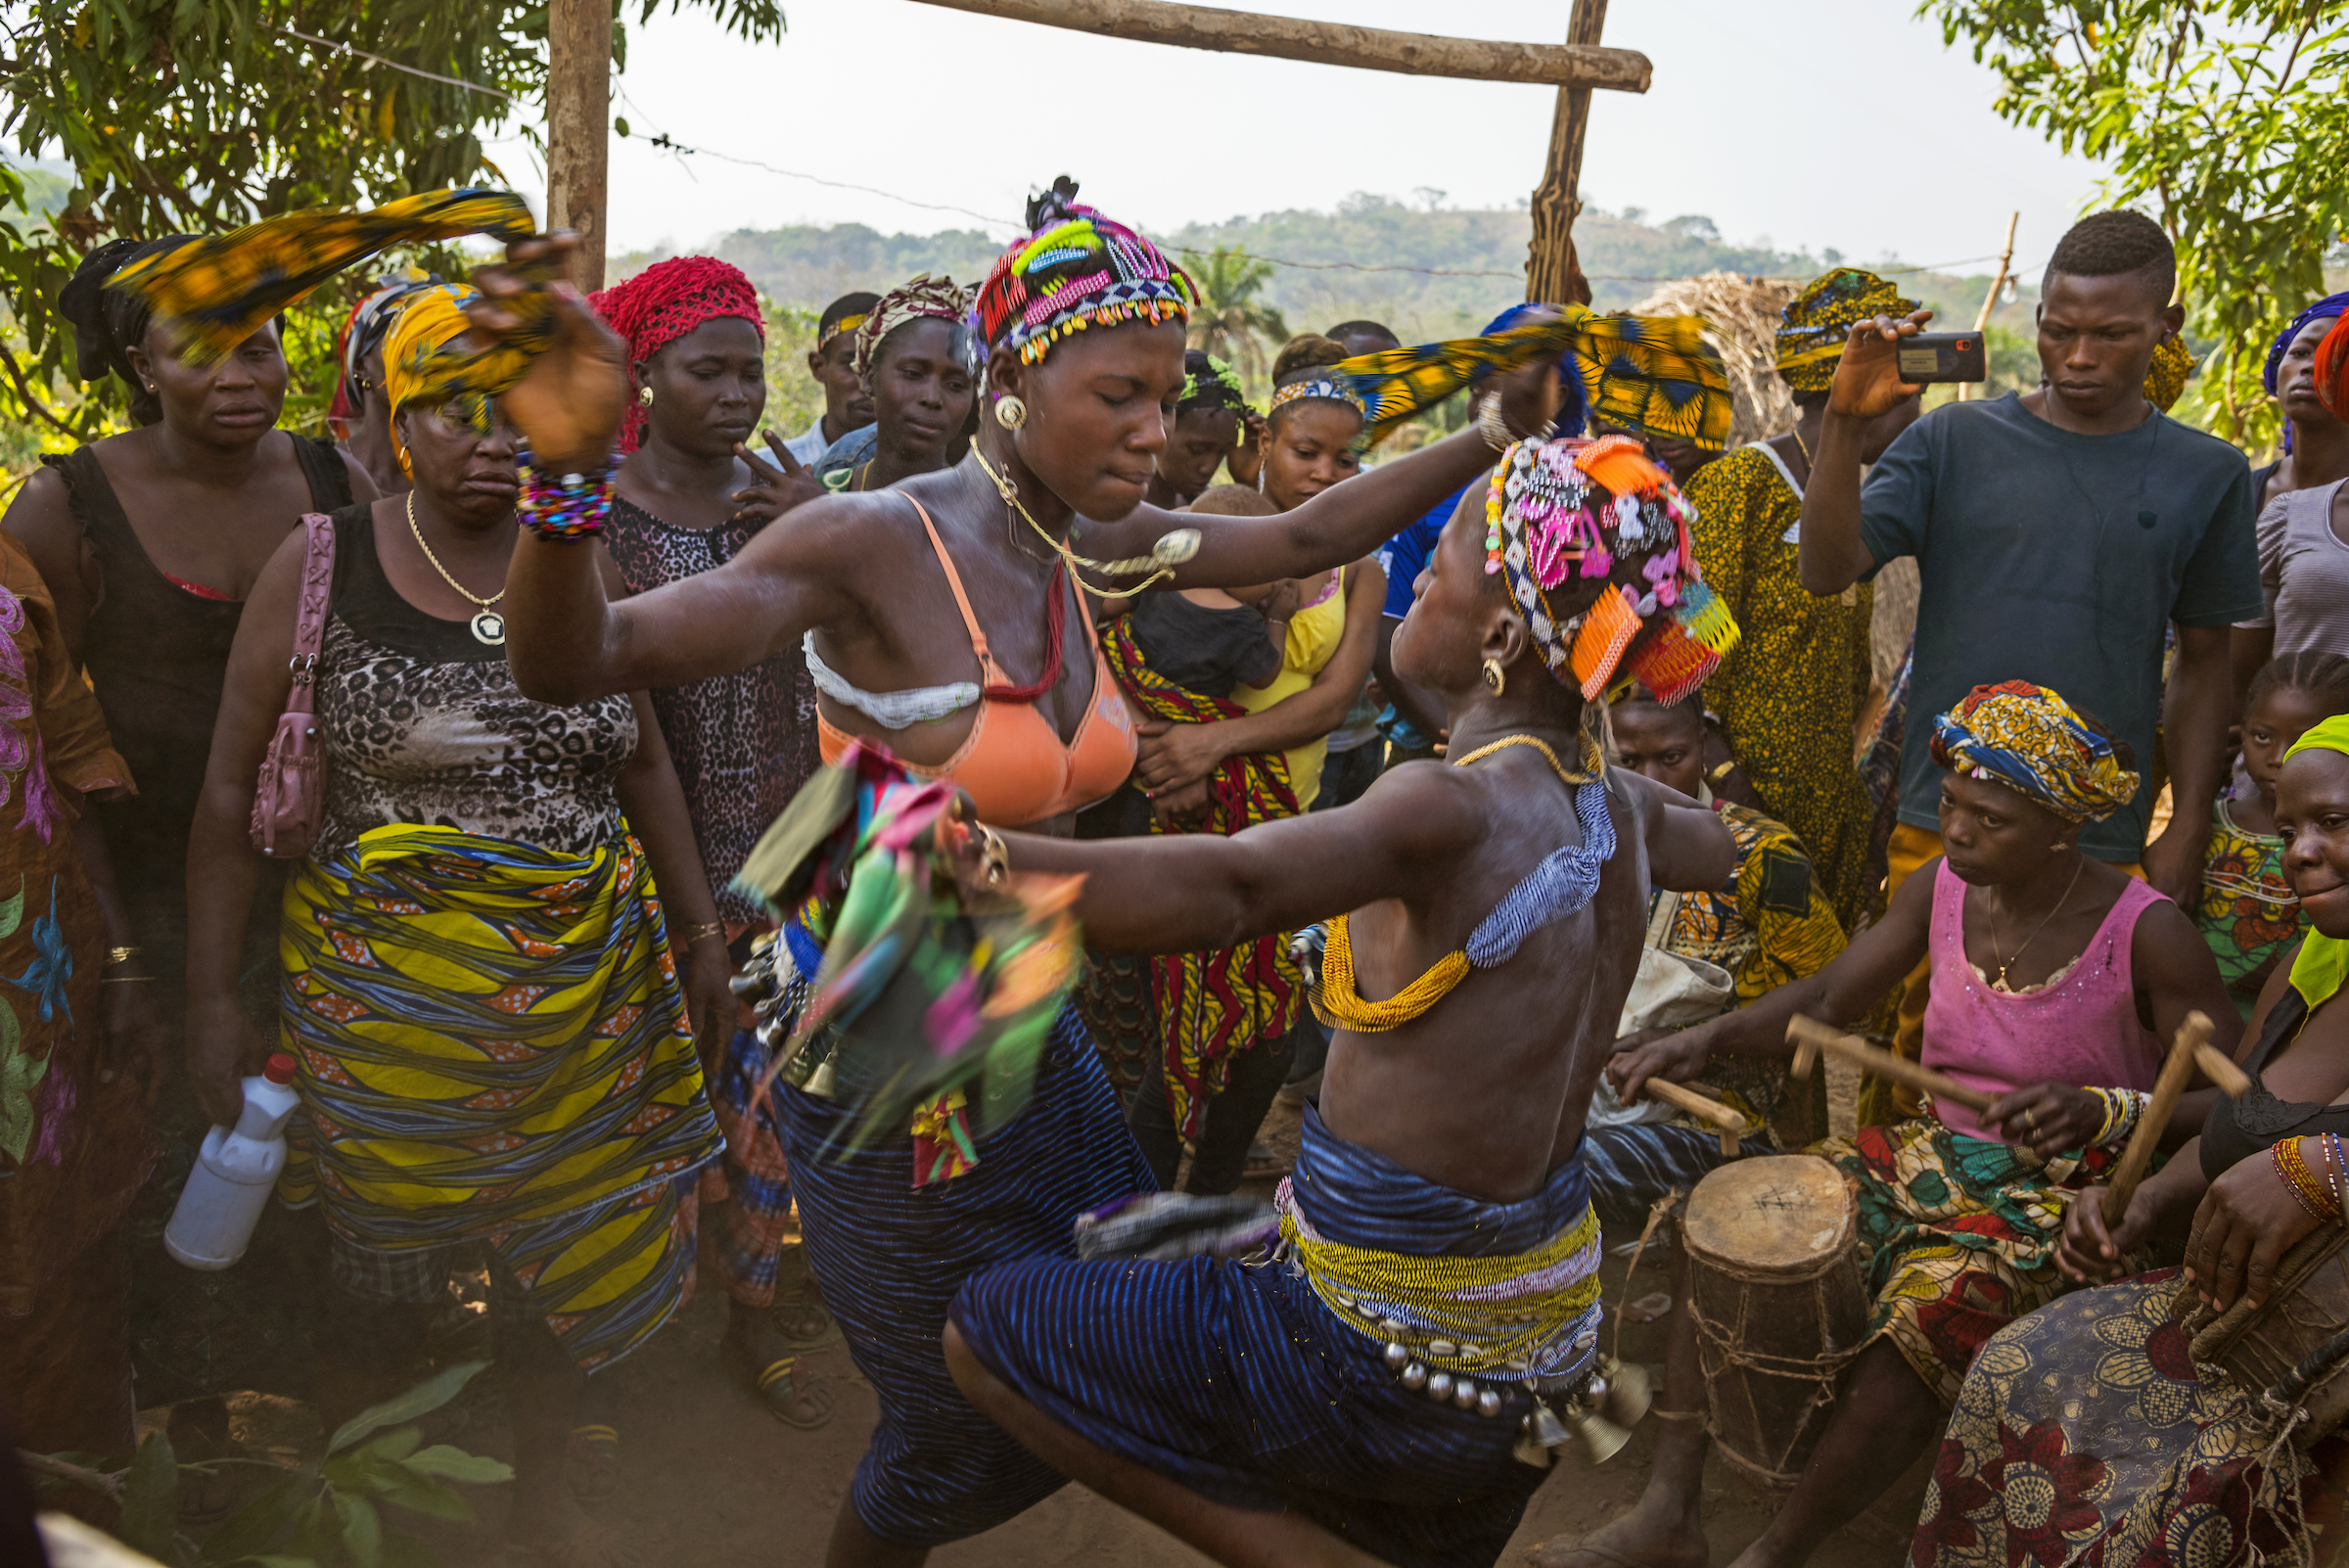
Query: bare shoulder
362,483
1425,807
2165,937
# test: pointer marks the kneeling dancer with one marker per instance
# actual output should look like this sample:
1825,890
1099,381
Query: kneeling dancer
1436,1272
2052,970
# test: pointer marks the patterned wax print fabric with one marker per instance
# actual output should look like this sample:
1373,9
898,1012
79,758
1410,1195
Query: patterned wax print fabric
1790,695
2028,739
1767,925
492,1048
2247,912
1215,1004
922,298
1818,322
219,290
73,1149
2084,1436
1957,1237
1242,1383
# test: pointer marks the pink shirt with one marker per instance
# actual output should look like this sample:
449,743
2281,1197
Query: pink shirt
2083,1031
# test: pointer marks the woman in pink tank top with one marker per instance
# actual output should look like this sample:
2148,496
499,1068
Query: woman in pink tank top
2055,980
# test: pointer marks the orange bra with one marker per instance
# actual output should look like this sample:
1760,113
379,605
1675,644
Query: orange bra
1016,768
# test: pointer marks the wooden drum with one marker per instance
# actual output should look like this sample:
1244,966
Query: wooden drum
1773,1287
2307,1307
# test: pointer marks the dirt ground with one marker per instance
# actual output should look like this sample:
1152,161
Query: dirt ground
712,1480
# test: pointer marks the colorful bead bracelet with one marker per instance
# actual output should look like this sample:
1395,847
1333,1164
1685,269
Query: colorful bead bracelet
2313,1194
571,506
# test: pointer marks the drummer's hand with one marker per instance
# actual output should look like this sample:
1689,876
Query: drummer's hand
1530,394
2248,1220
1675,1055
2086,1251
569,403
2046,1117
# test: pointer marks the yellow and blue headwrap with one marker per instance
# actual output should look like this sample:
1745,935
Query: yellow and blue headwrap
2032,741
1648,373
1818,322
216,292
2322,963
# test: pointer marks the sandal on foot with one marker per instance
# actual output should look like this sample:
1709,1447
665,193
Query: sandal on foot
804,1321
798,1402
591,1464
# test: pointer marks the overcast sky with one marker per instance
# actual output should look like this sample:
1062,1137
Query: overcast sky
1811,123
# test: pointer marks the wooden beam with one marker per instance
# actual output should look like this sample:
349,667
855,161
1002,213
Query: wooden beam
1553,273
1327,43
579,128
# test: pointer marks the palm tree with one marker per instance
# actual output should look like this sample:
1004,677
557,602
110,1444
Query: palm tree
1231,323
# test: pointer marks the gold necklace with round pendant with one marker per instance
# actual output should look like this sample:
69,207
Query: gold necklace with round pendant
488,626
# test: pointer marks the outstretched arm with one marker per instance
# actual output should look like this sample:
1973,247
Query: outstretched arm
1194,891
1688,851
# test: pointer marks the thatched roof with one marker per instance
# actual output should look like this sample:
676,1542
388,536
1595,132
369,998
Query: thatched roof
1741,316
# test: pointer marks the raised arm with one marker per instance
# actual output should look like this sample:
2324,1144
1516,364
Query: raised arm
1194,891
1867,385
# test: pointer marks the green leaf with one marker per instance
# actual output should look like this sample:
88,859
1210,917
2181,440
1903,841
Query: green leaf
151,1498
619,123
12,910
455,1465
426,1396
362,1529
397,1444
259,1523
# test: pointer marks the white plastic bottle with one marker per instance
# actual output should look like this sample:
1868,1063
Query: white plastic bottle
234,1172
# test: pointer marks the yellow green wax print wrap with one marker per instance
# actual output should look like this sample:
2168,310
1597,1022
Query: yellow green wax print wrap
1818,322
2323,962
2165,378
1494,1311
217,290
1651,373
491,1046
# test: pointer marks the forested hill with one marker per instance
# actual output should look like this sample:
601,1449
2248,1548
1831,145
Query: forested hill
1469,262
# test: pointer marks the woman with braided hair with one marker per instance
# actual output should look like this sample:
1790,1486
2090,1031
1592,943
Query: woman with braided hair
943,620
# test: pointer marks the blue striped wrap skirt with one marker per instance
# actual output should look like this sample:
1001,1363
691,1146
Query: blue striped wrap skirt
889,1256
1236,1381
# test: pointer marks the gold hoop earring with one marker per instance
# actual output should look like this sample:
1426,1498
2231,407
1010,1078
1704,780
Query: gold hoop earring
1495,680
644,397
1010,412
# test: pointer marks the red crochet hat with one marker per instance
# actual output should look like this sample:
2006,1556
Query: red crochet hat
663,303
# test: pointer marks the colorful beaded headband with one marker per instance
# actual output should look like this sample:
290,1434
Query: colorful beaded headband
1322,388
1076,269
1559,509
840,329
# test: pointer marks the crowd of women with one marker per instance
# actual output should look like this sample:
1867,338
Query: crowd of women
1542,705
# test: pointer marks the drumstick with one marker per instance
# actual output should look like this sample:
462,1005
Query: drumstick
1811,1036
1725,1121
2220,1069
2193,1037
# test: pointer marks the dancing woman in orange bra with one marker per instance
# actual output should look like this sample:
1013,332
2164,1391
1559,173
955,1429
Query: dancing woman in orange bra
943,622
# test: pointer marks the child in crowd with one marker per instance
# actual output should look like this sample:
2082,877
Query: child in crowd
2248,912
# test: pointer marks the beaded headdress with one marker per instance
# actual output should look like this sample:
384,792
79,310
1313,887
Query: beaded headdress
921,297
1076,269
1214,386
1818,322
1600,511
663,303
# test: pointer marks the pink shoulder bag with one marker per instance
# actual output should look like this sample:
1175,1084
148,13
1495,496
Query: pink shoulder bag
286,798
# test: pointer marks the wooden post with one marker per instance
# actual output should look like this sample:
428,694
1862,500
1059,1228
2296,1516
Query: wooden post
579,128
1554,274
1329,43
1990,300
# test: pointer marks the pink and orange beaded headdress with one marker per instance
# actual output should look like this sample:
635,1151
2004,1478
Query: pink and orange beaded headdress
1076,269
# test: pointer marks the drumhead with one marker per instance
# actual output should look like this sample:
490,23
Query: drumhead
1781,1214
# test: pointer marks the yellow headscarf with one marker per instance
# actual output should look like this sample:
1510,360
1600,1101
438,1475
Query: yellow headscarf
2323,961
429,320
1820,322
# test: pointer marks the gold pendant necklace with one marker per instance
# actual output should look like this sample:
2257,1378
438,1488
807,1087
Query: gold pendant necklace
487,625
1172,550
2005,963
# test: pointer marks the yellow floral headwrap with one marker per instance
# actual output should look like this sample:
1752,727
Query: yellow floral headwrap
1819,322
2323,961
429,320
2165,381
2032,741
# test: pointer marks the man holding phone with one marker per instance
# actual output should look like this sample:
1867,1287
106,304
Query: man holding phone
2058,534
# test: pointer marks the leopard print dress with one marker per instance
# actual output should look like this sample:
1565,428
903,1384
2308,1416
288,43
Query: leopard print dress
422,724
